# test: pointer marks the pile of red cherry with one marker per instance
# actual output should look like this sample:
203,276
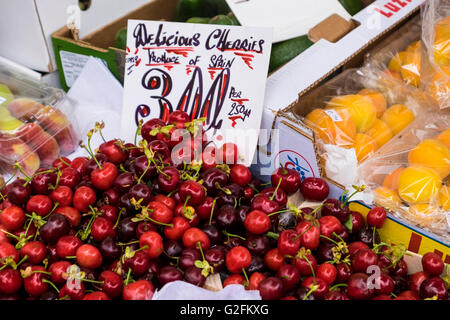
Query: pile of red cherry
133,217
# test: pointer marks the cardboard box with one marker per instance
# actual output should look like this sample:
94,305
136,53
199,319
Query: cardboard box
71,54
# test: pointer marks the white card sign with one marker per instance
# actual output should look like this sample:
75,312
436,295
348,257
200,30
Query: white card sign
212,71
289,18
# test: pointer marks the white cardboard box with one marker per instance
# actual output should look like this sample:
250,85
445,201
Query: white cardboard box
26,26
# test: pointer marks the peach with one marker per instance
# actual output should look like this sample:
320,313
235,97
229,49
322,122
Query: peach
340,133
391,180
364,146
439,86
361,108
444,137
45,145
398,117
15,150
24,108
432,154
410,69
8,124
55,123
377,98
397,61
387,198
441,42
418,184
380,132
444,198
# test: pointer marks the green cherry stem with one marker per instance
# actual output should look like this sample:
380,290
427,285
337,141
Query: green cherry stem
272,235
276,189
331,240
212,211
52,284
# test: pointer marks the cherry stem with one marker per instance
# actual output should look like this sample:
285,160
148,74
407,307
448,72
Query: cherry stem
53,209
201,250
224,190
311,290
28,178
338,285
128,243
12,177
144,173
284,169
276,189
63,161
373,236
40,271
339,237
52,284
233,235
160,223
272,235
253,188
91,152
311,267
246,277
277,212
300,235
71,257
186,201
21,261
212,211
128,277
331,240
118,218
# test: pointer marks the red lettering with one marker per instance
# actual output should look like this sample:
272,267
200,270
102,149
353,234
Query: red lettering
386,14
392,7
400,2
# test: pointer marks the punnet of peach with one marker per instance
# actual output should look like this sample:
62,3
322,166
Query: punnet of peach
35,129
409,175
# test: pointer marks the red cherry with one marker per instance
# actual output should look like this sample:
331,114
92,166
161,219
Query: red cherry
63,195
209,158
73,291
306,264
102,228
290,179
357,221
34,284
69,178
160,212
61,163
238,258
416,279
228,153
57,269
376,217
180,225
83,198
192,192
315,189
72,215
358,287
310,238
12,218
39,204
265,204
354,247
240,175
97,295
433,287
273,259
432,264
194,235
79,164
328,225
168,202
385,283
139,290
254,280
234,279
103,178
109,213
168,179
289,275
280,196
271,288
257,222
204,209
178,116
407,295
35,250
327,272
89,256
363,259
322,286
159,148
288,242
149,126
114,150
10,281
154,242
112,283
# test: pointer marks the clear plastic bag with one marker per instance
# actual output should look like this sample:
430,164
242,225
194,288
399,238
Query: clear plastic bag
410,174
34,123
436,51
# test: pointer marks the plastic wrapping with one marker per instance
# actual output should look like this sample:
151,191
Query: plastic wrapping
34,123
357,112
410,174
436,51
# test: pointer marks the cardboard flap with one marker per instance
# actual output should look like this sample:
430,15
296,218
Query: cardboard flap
332,29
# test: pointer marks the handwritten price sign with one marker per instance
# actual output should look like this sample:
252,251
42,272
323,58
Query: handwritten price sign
211,71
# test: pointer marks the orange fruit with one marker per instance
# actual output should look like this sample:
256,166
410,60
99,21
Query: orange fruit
340,132
391,180
398,117
444,137
418,184
377,98
432,154
364,146
380,132
387,198
410,69
397,61
439,86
